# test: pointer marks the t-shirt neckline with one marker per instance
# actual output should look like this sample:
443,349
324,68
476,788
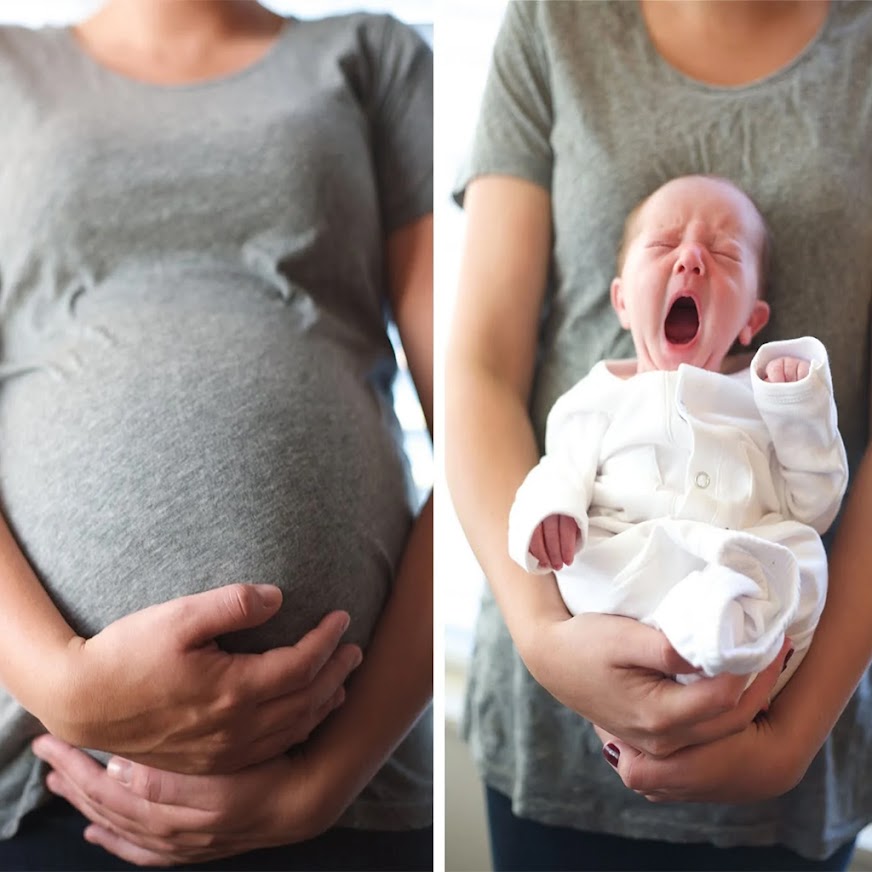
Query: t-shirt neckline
688,81
263,60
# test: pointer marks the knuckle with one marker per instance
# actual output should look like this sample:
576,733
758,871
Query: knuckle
668,657
148,784
653,725
353,657
92,793
634,778
659,748
201,840
296,732
237,600
169,853
213,822
300,735
229,701
728,697
223,740
302,728
307,670
307,726
205,763
161,830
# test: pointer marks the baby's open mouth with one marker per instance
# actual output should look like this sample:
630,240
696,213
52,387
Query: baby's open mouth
682,322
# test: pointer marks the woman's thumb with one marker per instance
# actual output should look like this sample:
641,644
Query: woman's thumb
203,616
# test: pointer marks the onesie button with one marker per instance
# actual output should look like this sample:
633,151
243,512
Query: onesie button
702,480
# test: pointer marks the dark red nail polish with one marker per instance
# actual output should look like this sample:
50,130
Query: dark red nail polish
787,659
611,754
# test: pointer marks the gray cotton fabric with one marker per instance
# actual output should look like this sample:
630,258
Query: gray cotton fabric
579,102
196,375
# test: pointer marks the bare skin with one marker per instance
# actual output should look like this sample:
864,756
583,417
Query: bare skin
732,42
172,42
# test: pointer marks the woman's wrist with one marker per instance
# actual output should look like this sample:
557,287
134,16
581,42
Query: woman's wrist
312,794
56,699
532,609
65,705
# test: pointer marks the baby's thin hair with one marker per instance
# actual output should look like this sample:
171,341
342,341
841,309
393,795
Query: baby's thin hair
765,244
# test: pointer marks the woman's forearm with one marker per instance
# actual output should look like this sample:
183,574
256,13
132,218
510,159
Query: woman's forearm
35,640
813,699
489,441
391,688
487,456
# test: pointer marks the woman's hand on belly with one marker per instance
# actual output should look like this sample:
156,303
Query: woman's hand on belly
155,687
155,818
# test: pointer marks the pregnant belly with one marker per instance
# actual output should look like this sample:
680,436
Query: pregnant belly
166,451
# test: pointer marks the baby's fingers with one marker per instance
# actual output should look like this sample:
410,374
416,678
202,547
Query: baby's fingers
568,538
787,369
776,370
551,534
537,548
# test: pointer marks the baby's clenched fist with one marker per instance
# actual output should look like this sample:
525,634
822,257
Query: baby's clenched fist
554,541
786,369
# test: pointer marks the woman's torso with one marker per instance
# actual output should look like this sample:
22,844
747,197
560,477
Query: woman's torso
195,367
581,103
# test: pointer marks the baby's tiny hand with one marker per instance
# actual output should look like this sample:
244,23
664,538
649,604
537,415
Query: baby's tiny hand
786,369
554,541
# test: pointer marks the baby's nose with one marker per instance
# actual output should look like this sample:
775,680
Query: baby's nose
689,260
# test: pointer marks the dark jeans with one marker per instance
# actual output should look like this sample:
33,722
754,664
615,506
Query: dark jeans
522,845
50,838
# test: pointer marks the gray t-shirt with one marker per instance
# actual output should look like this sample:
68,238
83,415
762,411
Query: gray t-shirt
579,101
196,375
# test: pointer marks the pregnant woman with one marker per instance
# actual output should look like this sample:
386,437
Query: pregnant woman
208,212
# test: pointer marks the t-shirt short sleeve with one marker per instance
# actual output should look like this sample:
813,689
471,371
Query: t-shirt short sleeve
401,106
513,135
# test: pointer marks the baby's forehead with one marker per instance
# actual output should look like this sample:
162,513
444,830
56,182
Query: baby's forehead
709,204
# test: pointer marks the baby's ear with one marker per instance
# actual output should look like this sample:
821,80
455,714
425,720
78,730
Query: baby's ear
758,319
618,303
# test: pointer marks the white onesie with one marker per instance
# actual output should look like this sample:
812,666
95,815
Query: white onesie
700,498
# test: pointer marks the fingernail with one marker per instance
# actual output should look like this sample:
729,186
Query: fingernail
611,754
787,659
269,596
346,622
358,659
119,770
